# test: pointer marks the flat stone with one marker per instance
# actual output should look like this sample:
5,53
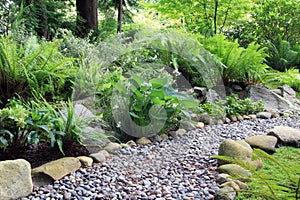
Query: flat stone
223,178
235,170
240,118
85,161
188,126
231,184
252,116
286,135
100,156
225,193
264,142
242,185
143,140
264,115
15,179
59,168
112,147
233,118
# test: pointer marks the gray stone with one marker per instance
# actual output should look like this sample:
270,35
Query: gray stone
286,135
99,156
112,147
223,178
143,140
271,99
264,115
15,179
85,161
93,139
287,92
264,142
233,149
225,193
180,132
205,118
213,96
188,126
244,144
242,185
237,88
57,169
231,184
235,171
83,112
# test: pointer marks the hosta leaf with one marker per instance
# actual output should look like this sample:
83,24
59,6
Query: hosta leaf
158,82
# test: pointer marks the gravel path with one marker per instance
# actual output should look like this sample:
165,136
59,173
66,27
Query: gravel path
179,168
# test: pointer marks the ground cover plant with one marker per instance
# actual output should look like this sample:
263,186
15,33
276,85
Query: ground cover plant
278,179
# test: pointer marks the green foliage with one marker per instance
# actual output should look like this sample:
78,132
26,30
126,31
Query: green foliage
235,106
283,56
231,106
279,177
290,77
242,65
36,122
145,94
33,68
200,16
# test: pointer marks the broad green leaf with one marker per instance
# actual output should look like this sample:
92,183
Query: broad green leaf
158,101
158,82
157,93
138,79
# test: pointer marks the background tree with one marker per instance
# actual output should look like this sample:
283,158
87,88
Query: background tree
87,16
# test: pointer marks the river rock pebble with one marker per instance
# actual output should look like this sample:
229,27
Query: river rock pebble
177,168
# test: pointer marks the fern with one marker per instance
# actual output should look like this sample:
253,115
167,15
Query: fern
242,65
283,56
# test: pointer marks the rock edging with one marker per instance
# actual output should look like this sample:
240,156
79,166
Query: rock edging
276,137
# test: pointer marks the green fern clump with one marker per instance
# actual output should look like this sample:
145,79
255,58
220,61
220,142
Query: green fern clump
31,68
278,179
283,56
290,77
242,65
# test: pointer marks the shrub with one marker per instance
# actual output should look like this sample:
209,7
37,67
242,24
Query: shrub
232,106
242,65
151,103
33,68
290,77
283,56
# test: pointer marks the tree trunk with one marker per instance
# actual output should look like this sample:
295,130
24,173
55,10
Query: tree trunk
87,16
215,16
120,16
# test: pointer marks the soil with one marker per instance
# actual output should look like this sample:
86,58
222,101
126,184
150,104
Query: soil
43,153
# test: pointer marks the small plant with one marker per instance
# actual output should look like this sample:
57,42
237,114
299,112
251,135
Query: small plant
232,106
144,95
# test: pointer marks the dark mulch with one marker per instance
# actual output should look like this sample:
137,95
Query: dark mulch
43,153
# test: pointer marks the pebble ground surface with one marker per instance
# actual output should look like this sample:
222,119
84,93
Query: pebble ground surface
178,168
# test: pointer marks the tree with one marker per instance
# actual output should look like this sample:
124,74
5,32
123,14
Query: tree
87,16
207,17
120,16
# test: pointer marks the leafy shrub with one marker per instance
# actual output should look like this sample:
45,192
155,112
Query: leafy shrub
33,68
149,100
290,77
242,65
283,56
22,125
232,106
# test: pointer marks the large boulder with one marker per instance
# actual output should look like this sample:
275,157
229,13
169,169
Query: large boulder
271,99
15,179
55,170
233,149
264,142
286,135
